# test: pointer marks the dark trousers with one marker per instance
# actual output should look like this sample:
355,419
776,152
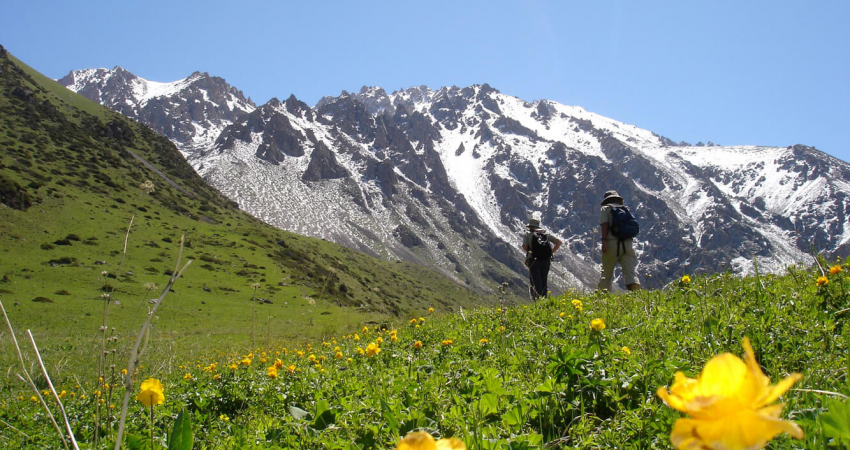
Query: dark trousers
538,274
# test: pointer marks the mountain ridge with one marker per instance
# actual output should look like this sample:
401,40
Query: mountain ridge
428,169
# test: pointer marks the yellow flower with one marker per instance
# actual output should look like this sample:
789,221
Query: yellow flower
483,341
224,417
562,315
123,371
446,343
271,372
349,360
430,310
597,324
379,341
300,353
627,351
413,321
233,366
421,440
686,279
246,361
835,270
291,368
311,358
729,405
823,281
360,351
278,364
356,337
421,319
151,393
393,338
417,345
217,376
339,355
188,376
365,330
577,304
372,350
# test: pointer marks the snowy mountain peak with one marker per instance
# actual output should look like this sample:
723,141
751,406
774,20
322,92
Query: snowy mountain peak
449,177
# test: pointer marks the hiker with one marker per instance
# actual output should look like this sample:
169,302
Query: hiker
539,246
618,227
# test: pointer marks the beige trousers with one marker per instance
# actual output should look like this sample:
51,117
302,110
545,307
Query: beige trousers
628,262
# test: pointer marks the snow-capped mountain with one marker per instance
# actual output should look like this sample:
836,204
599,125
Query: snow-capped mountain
449,177
191,112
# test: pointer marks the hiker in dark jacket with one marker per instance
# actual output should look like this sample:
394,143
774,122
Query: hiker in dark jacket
539,246
614,249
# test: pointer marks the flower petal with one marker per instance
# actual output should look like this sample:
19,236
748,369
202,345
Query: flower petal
450,444
419,440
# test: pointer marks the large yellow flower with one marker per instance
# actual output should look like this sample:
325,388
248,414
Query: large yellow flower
729,405
823,281
836,269
151,393
372,350
597,324
421,440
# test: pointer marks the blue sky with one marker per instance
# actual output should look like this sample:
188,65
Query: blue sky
731,72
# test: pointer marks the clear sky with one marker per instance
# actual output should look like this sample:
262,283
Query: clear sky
731,72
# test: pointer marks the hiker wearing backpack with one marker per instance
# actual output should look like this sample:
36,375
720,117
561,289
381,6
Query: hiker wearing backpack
539,246
618,227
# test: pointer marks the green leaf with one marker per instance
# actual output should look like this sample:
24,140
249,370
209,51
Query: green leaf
513,418
324,420
181,434
135,443
389,416
298,413
489,404
836,422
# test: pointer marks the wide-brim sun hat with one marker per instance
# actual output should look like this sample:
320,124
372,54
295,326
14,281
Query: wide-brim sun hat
533,223
610,196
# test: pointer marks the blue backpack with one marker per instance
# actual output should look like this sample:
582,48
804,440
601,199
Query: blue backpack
623,223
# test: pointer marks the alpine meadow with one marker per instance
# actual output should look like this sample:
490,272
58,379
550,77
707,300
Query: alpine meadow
144,309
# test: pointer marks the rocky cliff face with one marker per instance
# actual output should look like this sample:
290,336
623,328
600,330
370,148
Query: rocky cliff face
448,178
191,112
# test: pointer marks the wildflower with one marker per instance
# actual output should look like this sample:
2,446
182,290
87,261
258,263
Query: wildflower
823,281
562,315
34,398
686,279
63,394
421,440
413,321
365,330
577,304
123,371
393,338
339,355
246,361
417,345
835,270
446,343
483,341
627,351
278,363
430,310
356,337
271,372
421,319
224,418
217,376
729,405
291,368
372,350
311,358
150,393
233,366
597,324
379,341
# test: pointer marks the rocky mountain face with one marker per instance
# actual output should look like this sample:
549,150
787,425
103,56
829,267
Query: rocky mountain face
449,178
191,112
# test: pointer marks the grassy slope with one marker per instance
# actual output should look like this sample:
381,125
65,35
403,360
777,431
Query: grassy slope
74,160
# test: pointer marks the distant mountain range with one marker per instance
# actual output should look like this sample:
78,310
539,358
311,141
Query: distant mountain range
448,178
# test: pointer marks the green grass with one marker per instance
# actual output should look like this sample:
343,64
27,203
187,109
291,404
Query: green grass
520,377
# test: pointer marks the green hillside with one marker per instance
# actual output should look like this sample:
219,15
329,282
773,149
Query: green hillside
75,177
